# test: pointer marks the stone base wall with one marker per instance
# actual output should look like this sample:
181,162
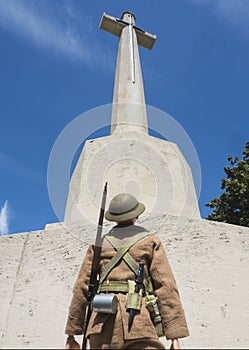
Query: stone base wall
210,262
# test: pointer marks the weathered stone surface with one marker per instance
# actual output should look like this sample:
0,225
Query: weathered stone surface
209,260
11,256
152,169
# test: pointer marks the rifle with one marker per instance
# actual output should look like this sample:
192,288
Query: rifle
93,282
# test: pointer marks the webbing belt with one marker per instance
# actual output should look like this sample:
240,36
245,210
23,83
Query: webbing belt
123,286
114,286
122,253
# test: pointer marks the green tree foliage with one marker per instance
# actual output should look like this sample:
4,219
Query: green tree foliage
233,205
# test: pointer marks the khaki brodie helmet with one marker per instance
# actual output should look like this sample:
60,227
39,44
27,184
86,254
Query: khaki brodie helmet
124,207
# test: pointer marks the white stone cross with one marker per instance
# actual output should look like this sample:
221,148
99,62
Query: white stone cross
129,112
115,26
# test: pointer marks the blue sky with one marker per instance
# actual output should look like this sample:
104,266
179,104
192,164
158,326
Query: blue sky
55,64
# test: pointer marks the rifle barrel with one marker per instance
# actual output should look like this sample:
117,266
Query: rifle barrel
93,282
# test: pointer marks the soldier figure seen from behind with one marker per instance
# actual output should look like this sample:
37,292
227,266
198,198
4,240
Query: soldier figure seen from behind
136,280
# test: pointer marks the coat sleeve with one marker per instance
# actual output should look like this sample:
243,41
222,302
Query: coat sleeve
172,313
77,309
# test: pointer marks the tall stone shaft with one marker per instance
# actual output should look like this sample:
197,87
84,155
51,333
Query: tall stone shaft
129,109
131,160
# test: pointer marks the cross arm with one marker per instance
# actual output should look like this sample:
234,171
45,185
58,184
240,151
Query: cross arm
115,26
145,39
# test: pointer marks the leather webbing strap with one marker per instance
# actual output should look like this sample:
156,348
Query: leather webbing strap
134,266
122,252
127,257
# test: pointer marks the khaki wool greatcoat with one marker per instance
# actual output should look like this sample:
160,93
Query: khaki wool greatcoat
151,252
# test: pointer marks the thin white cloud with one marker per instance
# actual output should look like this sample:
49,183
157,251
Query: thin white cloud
4,220
61,33
235,12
